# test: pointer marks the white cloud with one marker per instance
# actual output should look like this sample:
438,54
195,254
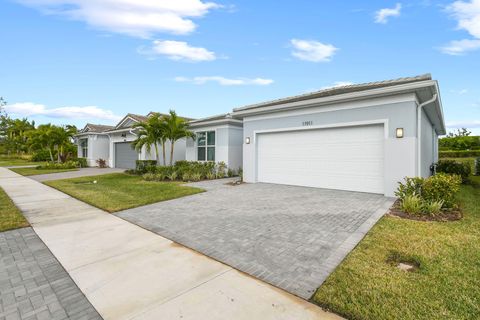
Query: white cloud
226,81
460,47
460,91
464,124
467,14
138,18
382,15
26,109
310,50
337,84
178,50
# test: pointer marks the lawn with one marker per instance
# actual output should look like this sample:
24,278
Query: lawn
7,162
10,216
34,171
446,285
119,191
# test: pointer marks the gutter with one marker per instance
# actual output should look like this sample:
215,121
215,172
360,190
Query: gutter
419,131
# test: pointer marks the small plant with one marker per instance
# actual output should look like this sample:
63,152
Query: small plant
210,175
231,173
441,187
102,163
477,166
240,173
433,208
186,177
412,204
172,176
410,187
221,167
197,176
148,177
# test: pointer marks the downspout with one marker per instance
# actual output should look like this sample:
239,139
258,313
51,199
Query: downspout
419,131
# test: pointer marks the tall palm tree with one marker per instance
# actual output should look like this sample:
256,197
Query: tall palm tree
176,129
42,139
150,132
62,137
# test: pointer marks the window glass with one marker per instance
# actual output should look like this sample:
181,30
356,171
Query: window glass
201,138
210,153
85,148
201,154
211,138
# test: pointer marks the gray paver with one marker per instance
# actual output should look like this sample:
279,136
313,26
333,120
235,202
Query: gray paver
32,280
291,237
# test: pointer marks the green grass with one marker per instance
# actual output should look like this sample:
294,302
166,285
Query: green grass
446,285
34,171
10,216
119,191
7,162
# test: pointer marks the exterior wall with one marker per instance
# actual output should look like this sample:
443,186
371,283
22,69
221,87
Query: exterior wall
228,145
427,146
98,147
179,151
395,112
117,137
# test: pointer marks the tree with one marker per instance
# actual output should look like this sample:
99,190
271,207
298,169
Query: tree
176,129
62,137
150,132
42,139
463,132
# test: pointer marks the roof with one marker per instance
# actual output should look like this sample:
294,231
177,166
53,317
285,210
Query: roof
224,118
95,128
137,117
337,91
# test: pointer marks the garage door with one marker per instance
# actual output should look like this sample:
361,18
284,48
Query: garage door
347,158
125,156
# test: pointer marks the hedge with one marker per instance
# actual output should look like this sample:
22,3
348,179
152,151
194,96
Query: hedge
459,154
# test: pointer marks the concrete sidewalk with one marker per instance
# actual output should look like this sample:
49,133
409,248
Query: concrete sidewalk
127,272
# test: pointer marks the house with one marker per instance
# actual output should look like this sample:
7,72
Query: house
363,137
218,138
93,143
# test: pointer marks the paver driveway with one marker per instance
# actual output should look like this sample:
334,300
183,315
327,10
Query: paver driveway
291,237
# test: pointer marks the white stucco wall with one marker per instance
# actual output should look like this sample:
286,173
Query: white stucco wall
98,147
178,152
397,112
427,146
228,144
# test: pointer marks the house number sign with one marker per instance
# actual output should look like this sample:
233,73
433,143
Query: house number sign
307,123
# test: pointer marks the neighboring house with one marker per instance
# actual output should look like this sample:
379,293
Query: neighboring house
123,155
218,138
363,137
93,143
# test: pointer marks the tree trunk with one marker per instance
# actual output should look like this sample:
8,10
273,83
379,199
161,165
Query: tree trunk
156,153
172,145
164,154
51,154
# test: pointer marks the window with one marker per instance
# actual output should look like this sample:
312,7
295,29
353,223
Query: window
206,146
84,146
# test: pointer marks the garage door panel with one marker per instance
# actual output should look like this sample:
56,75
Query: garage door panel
341,158
125,155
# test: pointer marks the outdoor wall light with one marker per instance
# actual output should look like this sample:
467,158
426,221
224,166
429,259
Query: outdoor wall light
399,132
247,140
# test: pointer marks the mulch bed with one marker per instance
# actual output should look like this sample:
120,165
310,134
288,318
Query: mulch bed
446,215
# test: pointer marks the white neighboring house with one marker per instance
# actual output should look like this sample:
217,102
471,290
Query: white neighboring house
124,156
218,138
93,142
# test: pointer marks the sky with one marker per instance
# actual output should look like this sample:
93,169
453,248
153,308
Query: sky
79,61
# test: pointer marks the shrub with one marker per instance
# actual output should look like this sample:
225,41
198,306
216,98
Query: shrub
477,166
82,162
196,176
433,207
454,167
186,176
240,173
210,175
148,176
221,167
459,153
143,166
41,155
441,187
172,176
231,173
411,186
412,204
65,165
102,163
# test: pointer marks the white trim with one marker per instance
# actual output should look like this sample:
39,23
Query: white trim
125,119
408,97
213,122
210,128
338,97
383,122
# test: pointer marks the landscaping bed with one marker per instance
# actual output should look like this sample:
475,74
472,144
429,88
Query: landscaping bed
443,283
10,216
119,191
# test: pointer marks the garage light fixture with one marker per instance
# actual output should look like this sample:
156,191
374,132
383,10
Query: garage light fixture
247,140
399,132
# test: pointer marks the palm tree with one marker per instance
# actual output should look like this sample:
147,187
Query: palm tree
176,129
42,139
62,137
151,132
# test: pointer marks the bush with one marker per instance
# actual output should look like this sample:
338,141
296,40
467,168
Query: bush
432,191
65,165
143,166
102,163
454,167
477,166
441,187
42,155
412,204
459,154
82,162
240,173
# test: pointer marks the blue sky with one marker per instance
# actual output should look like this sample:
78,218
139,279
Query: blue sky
78,61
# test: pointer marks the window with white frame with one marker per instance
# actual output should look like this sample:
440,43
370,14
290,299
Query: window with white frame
84,146
205,145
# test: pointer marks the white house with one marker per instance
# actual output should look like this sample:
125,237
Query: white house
364,137
92,143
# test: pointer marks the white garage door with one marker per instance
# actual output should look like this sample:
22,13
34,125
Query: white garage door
347,158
